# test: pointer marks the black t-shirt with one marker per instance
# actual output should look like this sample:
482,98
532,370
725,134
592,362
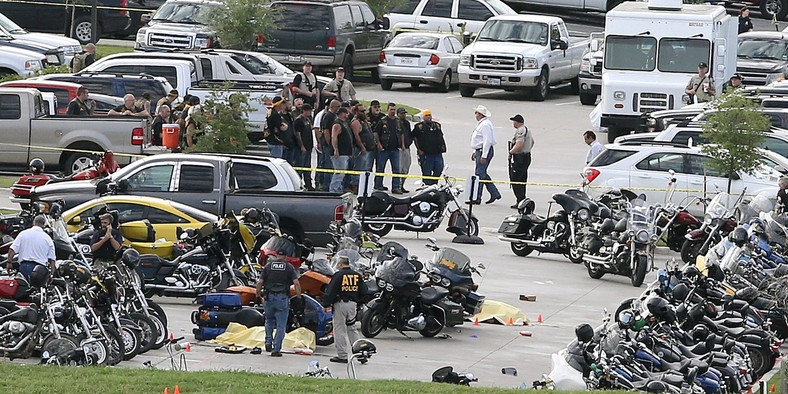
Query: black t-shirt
345,138
273,122
388,131
406,132
288,136
303,126
375,119
78,107
782,197
745,24
277,277
429,137
106,251
156,127
122,108
326,123
366,136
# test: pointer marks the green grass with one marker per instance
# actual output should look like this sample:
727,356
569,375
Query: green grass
7,181
384,103
49,379
775,380
106,50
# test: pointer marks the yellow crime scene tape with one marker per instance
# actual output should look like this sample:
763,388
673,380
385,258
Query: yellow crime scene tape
70,150
72,5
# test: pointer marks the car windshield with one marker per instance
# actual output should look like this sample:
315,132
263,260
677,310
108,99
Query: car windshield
631,53
415,41
301,16
184,13
9,25
515,31
752,48
682,55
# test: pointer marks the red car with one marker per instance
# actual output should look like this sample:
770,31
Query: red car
64,91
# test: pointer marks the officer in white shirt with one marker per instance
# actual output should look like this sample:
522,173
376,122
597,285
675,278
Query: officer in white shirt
595,147
33,247
482,142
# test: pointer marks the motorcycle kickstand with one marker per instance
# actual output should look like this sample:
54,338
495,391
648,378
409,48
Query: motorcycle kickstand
405,335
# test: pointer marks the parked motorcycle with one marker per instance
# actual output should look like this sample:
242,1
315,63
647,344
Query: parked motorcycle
720,219
451,269
556,233
404,304
422,212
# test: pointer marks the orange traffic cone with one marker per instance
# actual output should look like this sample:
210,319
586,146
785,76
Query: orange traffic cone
476,321
177,390
166,390
172,336
539,318
772,389
188,349
511,322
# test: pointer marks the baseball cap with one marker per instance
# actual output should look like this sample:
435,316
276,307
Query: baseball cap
374,103
737,76
173,93
401,110
278,101
703,65
341,69
517,118
307,63
426,112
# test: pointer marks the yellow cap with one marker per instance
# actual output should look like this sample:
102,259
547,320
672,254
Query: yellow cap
426,112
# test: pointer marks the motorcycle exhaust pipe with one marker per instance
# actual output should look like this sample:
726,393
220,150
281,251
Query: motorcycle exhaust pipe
171,288
595,259
17,347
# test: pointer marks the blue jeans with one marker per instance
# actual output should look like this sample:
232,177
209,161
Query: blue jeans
362,162
339,163
26,268
276,150
431,165
277,309
481,172
305,161
382,157
291,155
324,161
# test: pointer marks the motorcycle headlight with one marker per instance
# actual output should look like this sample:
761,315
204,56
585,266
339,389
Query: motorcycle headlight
642,236
381,283
707,219
389,287
445,282
435,278
583,214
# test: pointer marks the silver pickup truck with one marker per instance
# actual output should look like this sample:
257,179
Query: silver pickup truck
62,141
516,52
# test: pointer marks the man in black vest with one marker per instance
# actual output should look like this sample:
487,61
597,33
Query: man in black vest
276,278
343,294
342,144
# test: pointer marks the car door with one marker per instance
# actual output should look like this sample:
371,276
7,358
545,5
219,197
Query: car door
436,16
561,60
378,37
364,48
15,130
472,13
197,185
652,173
40,15
166,223
404,16
154,180
703,178
450,54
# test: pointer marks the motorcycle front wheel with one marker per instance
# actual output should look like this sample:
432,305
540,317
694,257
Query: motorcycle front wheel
435,324
373,322
690,250
131,342
150,331
59,347
595,271
379,229
575,254
521,250
640,270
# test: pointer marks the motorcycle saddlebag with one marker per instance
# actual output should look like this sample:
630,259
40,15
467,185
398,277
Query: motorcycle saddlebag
513,224
377,204
8,288
454,312
223,301
207,333
473,303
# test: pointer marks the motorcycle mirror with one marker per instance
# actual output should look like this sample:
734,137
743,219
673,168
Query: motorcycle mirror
178,231
432,240
314,364
471,377
671,172
481,266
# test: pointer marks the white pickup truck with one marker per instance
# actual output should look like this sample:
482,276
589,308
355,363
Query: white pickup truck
514,52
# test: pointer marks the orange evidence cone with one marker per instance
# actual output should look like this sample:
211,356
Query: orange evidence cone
539,318
171,338
476,321
772,389
188,349
511,322
166,390
177,390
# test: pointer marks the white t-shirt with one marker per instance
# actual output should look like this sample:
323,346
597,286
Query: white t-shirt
594,151
34,244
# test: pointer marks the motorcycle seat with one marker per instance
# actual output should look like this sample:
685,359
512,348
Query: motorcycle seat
9,305
399,201
731,322
25,314
672,379
732,331
534,218
432,294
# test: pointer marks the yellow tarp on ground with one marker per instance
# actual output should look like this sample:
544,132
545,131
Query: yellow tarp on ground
500,313
300,340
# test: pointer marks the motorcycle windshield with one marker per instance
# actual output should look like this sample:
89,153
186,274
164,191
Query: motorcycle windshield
397,271
733,259
282,245
452,259
352,255
718,207
322,266
641,217
391,249
775,227
763,202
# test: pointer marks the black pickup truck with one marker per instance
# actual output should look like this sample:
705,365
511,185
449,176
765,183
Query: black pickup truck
218,183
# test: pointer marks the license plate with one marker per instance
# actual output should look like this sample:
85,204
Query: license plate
297,59
494,81
407,60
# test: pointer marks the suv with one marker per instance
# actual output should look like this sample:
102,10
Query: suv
447,16
179,24
49,16
118,85
328,34
646,165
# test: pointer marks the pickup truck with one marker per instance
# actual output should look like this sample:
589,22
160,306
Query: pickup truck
514,52
20,62
62,141
590,77
762,57
179,24
217,183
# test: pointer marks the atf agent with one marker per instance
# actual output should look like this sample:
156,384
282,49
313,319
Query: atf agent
277,277
343,294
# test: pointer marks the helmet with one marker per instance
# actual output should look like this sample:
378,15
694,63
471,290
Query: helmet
748,294
37,166
757,226
251,215
691,272
738,236
700,333
584,332
55,210
130,258
40,276
364,347
626,319
680,292
661,309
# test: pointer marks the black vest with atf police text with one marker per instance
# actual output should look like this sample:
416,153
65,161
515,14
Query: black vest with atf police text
278,276
346,285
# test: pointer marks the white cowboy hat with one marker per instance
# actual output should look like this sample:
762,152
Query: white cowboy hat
483,110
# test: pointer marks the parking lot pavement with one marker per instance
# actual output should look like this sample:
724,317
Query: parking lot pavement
566,296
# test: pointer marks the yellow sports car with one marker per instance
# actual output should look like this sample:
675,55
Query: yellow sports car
148,224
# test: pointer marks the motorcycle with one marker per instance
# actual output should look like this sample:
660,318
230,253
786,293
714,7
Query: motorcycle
718,222
101,165
451,269
625,247
422,212
556,233
403,303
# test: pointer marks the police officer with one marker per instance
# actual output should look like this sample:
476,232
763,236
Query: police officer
430,146
343,294
519,156
276,279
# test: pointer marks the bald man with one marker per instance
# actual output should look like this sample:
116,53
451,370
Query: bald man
129,108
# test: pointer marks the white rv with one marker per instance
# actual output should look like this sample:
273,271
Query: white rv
652,49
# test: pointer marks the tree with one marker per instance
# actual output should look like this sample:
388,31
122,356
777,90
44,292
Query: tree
381,7
223,126
734,131
240,22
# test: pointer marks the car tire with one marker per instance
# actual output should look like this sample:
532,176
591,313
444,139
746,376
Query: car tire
587,98
467,91
77,162
375,75
575,85
347,64
386,84
446,82
81,30
772,8
542,88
